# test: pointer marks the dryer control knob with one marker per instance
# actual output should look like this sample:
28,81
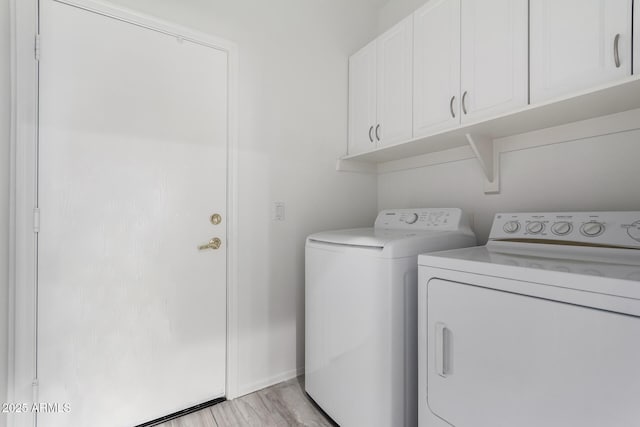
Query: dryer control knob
634,231
411,218
592,229
561,228
535,227
511,227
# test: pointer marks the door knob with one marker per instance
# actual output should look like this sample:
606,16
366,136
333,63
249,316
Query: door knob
213,244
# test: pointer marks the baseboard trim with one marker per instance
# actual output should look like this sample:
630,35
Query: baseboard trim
268,382
182,413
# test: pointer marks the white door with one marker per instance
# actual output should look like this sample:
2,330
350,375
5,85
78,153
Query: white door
503,360
636,37
133,133
436,72
362,99
395,84
495,67
578,44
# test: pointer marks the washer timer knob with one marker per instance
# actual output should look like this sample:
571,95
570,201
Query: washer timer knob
561,228
511,227
535,227
634,231
411,218
592,229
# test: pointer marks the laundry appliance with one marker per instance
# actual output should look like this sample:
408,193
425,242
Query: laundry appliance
361,314
540,327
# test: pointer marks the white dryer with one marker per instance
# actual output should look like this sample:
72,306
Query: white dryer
541,327
361,314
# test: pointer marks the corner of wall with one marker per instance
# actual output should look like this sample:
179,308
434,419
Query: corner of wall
5,180
394,11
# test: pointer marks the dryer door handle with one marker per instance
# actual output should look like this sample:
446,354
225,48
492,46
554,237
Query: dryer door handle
443,347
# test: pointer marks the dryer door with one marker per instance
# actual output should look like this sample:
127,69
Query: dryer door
502,359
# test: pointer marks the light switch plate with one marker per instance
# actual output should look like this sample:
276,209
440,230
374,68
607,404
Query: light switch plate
278,211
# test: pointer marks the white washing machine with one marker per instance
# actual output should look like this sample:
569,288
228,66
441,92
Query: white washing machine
361,314
541,327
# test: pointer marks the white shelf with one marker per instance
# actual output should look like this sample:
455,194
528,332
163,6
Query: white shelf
600,101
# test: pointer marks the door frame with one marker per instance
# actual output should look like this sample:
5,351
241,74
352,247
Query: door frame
22,334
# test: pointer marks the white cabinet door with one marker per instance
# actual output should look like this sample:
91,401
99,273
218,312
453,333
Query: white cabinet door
495,67
436,68
501,359
362,99
574,45
395,85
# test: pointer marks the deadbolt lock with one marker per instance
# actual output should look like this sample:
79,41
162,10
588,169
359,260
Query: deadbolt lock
215,219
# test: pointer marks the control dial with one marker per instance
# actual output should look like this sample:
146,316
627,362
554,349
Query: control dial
511,227
411,218
592,229
561,228
634,231
535,227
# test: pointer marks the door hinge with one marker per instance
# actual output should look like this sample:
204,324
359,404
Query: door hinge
36,220
36,47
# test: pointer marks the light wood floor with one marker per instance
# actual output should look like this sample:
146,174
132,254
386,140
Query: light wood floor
284,404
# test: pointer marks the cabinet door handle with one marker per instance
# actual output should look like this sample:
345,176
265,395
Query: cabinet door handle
616,50
453,99
443,341
377,134
464,102
370,135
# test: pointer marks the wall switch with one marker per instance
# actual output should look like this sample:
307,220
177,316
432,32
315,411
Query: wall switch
278,211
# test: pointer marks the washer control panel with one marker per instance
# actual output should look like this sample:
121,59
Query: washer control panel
446,219
619,229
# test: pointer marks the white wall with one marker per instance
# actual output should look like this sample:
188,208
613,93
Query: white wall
4,193
292,128
393,11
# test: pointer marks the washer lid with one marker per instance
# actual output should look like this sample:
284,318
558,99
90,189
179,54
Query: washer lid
366,237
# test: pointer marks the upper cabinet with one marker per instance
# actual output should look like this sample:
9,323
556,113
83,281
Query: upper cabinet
470,61
495,67
465,73
436,69
380,90
578,44
395,88
362,99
